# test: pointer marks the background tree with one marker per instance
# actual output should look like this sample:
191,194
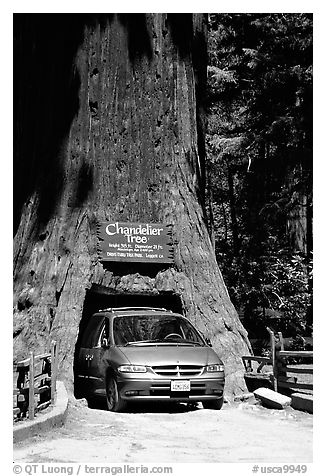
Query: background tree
109,126
259,146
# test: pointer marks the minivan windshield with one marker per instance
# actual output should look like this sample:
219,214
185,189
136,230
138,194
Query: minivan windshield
134,330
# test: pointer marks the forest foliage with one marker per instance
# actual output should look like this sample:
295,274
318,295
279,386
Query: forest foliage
259,156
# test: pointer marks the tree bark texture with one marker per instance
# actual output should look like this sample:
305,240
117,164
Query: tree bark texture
108,127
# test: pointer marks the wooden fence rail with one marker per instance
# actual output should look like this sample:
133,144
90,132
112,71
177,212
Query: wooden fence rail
280,367
35,383
282,379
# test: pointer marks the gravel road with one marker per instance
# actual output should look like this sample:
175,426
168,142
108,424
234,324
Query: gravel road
243,432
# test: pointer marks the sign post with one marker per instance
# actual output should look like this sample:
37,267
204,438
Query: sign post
137,242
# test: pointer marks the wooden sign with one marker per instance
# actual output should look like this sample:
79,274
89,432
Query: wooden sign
137,242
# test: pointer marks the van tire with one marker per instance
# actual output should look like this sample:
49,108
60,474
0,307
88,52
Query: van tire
113,399
213,404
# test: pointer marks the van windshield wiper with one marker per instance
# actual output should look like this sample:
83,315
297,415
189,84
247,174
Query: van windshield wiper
163,341
183,341
137,342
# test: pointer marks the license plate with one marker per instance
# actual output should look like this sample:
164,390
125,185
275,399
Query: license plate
180,385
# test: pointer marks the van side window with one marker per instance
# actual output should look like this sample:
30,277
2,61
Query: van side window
92,331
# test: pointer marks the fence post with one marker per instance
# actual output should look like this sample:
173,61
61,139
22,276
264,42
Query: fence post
31,401
53,370
280,336
274,363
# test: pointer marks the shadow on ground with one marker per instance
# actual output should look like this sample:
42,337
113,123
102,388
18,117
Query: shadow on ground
151,407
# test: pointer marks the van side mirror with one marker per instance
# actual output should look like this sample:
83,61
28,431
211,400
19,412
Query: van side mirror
208,341
105,342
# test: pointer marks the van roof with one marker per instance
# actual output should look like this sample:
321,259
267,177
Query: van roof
134,309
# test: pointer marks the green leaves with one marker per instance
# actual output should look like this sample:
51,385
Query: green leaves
259,151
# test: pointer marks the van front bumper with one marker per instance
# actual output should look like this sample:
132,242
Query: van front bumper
160,389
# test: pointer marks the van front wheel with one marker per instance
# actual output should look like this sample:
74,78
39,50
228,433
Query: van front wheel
213,404
113,398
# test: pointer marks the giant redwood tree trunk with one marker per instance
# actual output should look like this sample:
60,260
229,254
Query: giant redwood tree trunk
108,126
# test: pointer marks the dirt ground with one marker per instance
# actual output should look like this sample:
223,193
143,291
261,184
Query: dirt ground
243,432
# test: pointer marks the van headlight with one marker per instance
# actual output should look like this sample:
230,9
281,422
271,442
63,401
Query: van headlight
215,368
132,368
